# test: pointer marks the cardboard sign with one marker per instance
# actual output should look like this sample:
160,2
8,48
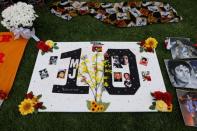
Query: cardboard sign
59,76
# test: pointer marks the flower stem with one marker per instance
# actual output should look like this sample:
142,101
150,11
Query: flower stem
90,87
88,72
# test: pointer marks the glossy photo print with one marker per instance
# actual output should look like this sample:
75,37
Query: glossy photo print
182,73
188,104
182,48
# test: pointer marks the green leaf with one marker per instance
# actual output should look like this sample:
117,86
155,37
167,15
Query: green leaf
39,96
43,107
42,53
56,47
106,105
141,49
88,104
152,107
153,103
55,44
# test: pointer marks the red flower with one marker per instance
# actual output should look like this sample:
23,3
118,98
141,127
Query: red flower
2,55
42,46
3,95
148,78
30,95
157,95
142,43
165,96
149,49
38,105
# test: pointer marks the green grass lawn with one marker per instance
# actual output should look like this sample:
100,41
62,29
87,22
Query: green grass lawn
87,28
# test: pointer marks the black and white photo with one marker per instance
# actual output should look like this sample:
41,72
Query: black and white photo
181,73
116,62
182,48
44,73
53,60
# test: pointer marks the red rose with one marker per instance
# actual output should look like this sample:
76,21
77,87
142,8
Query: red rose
3,95
157,95
142,43
149,49
46,48
167,98
148,78
30,95
42,46
38,105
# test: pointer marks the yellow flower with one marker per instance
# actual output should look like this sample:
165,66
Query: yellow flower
50,43
84,69
170,108
93,103
106,84
87,61
101,108
150,43
94,106
26,107
93,109
161,106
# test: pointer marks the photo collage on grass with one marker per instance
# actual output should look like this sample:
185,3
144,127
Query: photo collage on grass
182,71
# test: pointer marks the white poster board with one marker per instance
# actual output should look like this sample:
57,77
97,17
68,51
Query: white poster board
121,99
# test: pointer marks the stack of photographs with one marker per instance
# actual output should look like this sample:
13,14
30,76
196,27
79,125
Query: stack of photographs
182,71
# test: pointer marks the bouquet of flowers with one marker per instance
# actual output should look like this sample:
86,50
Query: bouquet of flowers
148,45
19,18
162,101
91,73
31,104
46,46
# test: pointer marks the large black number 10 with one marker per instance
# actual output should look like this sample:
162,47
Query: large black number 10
71,85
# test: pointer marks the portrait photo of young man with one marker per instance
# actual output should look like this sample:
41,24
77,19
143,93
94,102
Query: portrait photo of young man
181,73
